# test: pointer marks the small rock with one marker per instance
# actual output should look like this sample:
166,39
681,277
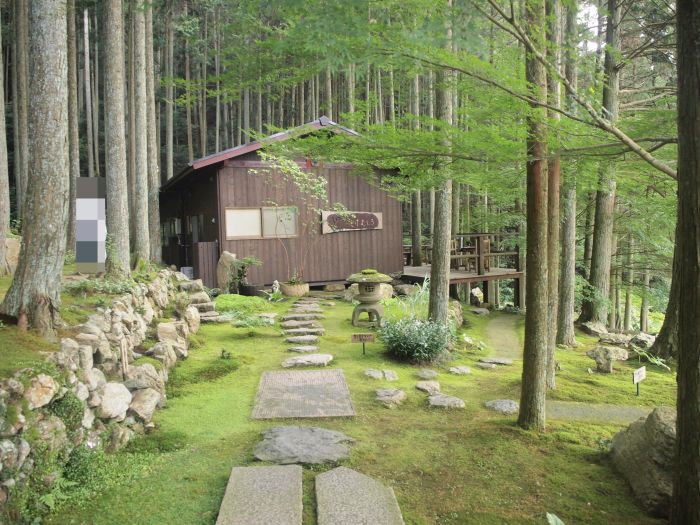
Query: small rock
425,373
374,374
303,349
164,353
460,370
496,360
390,375
88,418
643,341
119,438
431,387
504,406
40,391
52,432
8,454
81,391
391,397
302,339
486,366
480,311
308,445
443,401
605,355
192,318
308,360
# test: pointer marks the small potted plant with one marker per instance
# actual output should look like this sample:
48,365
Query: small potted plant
294,286
238,276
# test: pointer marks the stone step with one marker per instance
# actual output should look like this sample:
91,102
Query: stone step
304,331
262,495
307,360
303,349
300,324
302,339
346,497
302,317
211,317
205,307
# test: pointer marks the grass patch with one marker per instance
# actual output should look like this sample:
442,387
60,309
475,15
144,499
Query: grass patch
241,304
158,442
181,378
21,349
469,466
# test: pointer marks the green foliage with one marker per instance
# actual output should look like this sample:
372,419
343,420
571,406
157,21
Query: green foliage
70,409
238,272
180,379
99,286
158,442
240,304
275,296
83,466
414,305
416,340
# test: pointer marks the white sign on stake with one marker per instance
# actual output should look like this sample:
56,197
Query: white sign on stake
638,376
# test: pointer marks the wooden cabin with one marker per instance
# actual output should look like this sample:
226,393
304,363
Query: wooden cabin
232,201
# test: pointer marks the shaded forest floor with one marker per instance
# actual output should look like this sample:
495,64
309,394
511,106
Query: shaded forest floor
469,466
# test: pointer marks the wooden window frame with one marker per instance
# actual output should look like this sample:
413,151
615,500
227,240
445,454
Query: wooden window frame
262,229
260,237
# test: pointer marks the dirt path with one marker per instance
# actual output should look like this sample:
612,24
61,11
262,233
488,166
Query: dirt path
502,336
595,412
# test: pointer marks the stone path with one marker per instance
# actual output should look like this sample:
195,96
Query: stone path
502,335
304,393
595,412
346,497
262,496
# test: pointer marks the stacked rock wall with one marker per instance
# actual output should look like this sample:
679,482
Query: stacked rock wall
97,389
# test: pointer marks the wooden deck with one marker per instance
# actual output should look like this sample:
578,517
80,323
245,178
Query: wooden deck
417,274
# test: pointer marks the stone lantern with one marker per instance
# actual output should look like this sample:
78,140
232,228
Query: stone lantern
369,286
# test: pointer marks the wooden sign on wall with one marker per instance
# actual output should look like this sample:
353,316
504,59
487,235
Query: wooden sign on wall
334,222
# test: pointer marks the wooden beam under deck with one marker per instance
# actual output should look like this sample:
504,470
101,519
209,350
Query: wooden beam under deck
417,274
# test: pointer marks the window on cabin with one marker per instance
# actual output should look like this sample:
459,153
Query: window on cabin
243,223
279,221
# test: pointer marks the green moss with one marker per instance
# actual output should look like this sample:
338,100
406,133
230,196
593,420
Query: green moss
149,360
241,304
21,349
70,409
158,442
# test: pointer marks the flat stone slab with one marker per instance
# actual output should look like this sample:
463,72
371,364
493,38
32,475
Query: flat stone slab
460,370
271,316
443,401
496,360
310,308
426,373
262,495
306,445
480,311
486,366
389,375
504,406
307,360
346,497
302,317
304,331
304,394
431,387
302,339
300,324
390,397
303,349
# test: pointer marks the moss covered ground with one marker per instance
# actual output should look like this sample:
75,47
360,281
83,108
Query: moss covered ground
458,467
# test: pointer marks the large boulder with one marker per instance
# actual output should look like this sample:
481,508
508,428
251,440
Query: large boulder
116,399
192,318
594,328
40,391
223,269
52,433
643,453
144,404
93,378
643,341
615,339
605,355
164,353
144,376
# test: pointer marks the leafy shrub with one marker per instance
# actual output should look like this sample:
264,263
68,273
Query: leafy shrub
414,305
83,465
416,340
70,409
232,302
99,286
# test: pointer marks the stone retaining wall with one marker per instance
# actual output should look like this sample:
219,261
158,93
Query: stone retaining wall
100,366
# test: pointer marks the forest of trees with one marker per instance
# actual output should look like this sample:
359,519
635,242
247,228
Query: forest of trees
556,119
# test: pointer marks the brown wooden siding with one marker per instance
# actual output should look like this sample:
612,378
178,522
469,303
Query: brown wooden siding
206,256
330,257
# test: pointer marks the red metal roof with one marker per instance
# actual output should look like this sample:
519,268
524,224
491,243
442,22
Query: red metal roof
215,158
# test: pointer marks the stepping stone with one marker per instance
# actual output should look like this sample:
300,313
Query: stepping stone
390,375
426,373
480,311
300,324
303,349
302,339
211,317
431,387
496,360
303,393
204,307
460,370
374,374
306,445
443,401
486,366
346,497
308,360
391,397
271,316
302,317
262,495
327,303
305,331
504,406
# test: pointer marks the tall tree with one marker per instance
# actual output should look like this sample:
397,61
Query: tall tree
170,93
73,122
21,117
438,301
595,308
685,506
4,175
115,140
534,388
152,142
140,212
34,295
416,255
87,83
